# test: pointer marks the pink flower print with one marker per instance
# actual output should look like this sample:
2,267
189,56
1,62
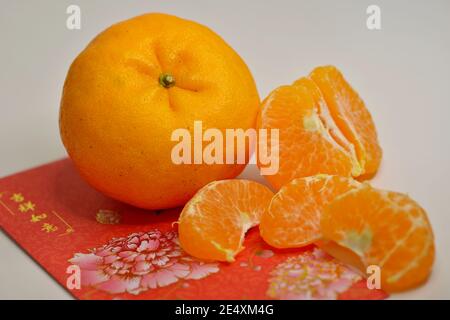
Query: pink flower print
311,275
139,262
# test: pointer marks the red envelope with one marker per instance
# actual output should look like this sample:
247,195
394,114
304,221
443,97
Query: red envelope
98,248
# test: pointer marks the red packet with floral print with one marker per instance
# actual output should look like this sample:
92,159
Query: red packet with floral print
122,252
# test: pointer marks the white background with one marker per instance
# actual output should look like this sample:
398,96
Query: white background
401,71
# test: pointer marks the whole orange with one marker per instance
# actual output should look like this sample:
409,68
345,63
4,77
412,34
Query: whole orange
132,86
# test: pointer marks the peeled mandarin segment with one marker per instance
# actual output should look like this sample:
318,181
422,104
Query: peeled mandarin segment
213,223
382,228
293,217
305,146
324,128
351,116
330,125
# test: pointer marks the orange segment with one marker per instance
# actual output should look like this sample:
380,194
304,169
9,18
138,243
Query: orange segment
293,217
318,134
382,228
351,116
213,223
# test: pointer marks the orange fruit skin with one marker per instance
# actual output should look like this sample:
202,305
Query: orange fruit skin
382,228
213,223
324,126
116,119
292,219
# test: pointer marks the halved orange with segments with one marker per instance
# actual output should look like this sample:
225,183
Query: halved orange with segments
324,128
366,226
213,223
293,217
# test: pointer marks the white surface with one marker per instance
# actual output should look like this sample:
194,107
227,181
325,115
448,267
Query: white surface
401,71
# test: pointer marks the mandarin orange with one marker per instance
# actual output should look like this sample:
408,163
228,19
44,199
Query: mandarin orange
132,87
